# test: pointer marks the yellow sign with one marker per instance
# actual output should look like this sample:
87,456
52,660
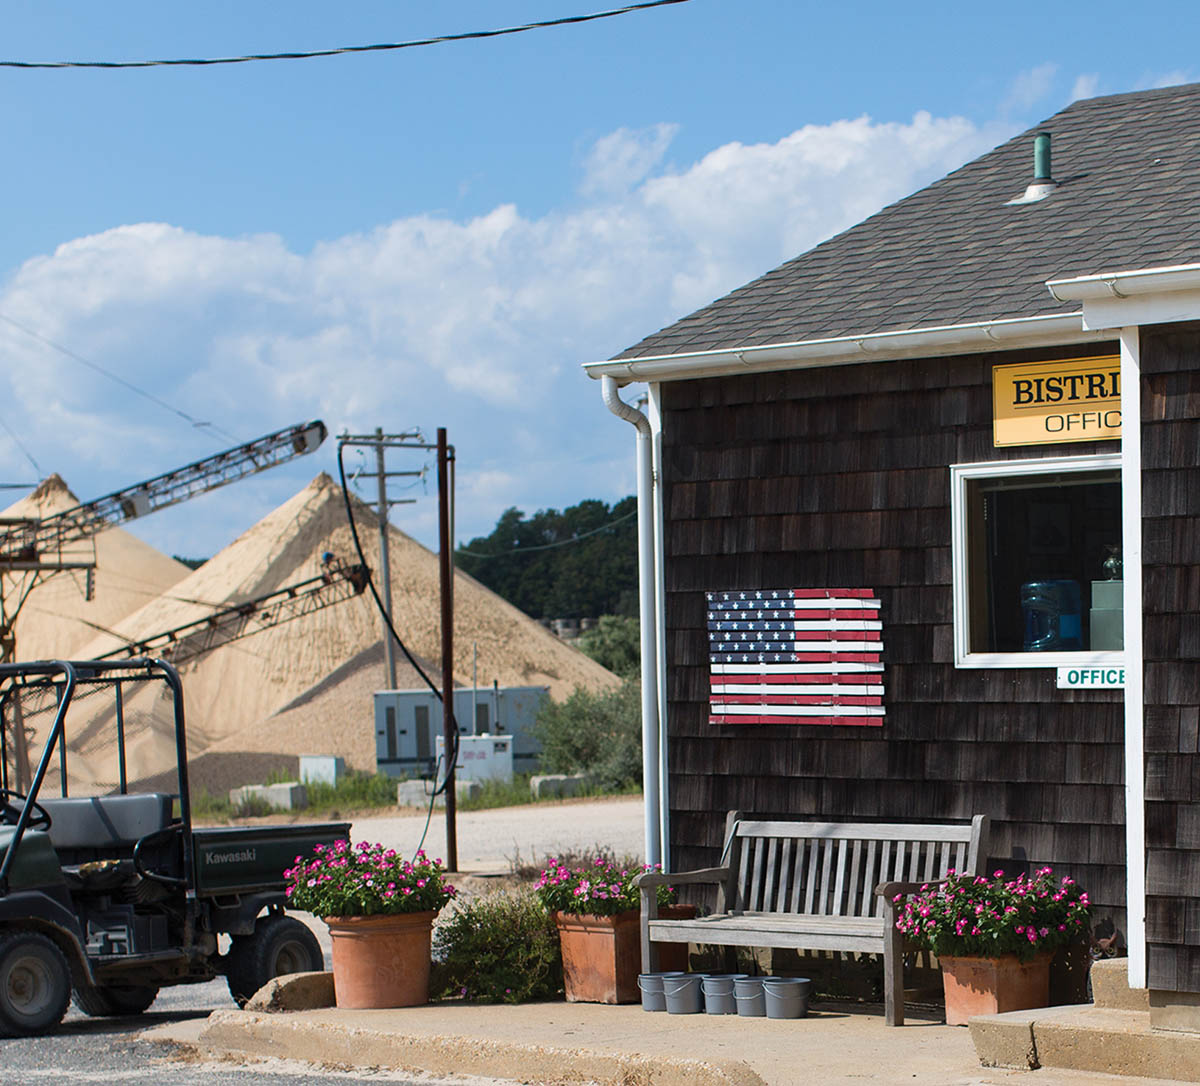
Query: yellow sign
1041,403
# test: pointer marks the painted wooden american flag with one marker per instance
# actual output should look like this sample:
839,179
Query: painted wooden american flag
795,656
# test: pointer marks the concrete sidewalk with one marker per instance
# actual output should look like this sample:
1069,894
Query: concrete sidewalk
569,1043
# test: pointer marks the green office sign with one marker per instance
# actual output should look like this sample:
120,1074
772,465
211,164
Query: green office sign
1091,678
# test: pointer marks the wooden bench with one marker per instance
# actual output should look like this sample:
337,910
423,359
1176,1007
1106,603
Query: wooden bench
816,886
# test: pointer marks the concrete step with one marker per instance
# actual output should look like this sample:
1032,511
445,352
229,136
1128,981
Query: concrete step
1102,1040
1110,986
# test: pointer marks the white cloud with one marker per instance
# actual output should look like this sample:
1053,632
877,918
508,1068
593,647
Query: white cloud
477,325
1166,79
621,159
1029,87
1085,86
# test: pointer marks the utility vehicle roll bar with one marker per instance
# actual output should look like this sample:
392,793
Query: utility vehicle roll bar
65,676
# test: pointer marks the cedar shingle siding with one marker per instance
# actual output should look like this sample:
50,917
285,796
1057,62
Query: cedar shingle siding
838,478
1171,542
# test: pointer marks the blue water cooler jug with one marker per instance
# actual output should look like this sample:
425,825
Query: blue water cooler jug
1053,615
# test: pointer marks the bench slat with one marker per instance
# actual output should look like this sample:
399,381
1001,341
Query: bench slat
754,898
814,850
827,906
837,907
854,904
881,831
767,929
769,888
785,876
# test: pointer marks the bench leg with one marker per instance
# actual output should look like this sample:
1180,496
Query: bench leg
893,969
649,949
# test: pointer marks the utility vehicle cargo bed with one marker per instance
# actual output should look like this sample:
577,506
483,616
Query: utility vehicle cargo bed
234,858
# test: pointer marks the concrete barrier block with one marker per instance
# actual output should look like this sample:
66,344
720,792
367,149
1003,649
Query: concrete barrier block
294,992
325,768
285,796
416,793
556,785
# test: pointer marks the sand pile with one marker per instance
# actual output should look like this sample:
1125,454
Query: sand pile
57,620
233,692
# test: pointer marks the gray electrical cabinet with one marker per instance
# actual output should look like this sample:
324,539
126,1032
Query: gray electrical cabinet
409,722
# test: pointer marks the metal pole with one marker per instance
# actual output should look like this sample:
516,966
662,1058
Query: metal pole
446,570
385,565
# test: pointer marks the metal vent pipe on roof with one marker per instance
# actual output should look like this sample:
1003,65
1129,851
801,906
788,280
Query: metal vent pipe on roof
1041,158
1043,180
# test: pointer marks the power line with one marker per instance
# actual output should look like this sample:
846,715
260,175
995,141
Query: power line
17,441
567,20
551,546
195,422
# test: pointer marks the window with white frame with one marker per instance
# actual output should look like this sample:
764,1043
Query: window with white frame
1036,554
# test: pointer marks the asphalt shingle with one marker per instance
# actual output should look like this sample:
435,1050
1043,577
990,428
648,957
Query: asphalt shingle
954,252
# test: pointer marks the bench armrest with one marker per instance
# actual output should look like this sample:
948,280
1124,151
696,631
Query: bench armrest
890,889
648,879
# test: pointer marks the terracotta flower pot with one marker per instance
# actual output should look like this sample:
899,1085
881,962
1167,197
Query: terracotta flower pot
673,957
601,956
993,985
381,961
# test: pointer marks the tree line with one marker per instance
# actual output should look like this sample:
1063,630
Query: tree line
577,563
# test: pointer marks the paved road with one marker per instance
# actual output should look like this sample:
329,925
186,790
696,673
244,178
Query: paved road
489,842
88,1050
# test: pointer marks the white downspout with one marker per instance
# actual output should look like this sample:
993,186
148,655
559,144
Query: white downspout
660,622
646,613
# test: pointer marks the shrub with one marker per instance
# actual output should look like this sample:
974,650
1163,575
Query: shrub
502,948
599,735
969,915
615,643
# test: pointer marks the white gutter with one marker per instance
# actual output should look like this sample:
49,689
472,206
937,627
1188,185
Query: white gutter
1045,331
1126,284
646,615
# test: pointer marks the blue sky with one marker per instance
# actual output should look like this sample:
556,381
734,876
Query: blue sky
440,236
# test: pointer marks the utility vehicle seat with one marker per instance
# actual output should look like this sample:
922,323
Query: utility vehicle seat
106,823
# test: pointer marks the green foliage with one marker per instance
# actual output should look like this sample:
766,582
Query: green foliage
615,643
502,948
365,880
254,807
351,791
207,806
523,562
980,916
602,887
599,735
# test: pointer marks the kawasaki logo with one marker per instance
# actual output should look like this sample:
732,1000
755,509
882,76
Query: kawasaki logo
246,855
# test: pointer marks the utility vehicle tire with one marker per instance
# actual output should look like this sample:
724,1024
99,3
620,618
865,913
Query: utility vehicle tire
280,944
113,1000
35,984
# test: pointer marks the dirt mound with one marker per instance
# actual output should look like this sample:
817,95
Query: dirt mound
57,619
234,692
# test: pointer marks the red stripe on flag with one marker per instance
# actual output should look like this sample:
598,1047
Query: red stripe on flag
845,678
796,699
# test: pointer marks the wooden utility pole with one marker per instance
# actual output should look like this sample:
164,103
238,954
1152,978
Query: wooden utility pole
446,571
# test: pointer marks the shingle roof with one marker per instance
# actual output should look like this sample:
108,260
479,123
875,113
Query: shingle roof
952,253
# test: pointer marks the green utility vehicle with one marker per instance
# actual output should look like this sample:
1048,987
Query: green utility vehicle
107,898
